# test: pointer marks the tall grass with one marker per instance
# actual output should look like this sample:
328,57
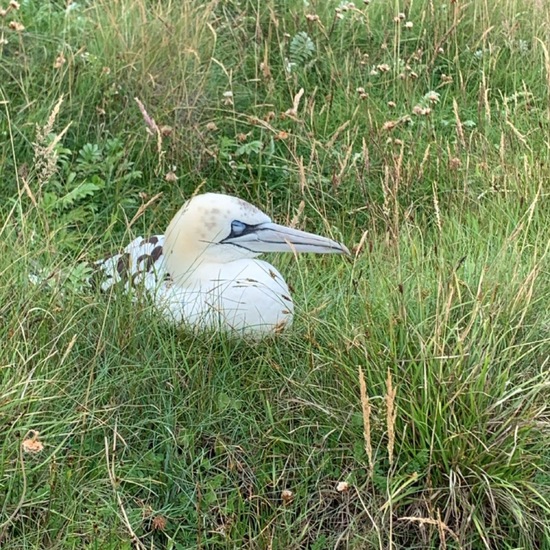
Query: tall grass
408,405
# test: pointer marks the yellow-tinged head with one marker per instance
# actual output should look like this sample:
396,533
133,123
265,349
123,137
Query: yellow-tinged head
215,228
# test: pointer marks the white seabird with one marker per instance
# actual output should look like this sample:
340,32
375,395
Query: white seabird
204,273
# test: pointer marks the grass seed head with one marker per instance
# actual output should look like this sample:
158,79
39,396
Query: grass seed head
432,97
59,61
16,26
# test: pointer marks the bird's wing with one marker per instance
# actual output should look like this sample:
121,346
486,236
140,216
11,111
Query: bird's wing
141,263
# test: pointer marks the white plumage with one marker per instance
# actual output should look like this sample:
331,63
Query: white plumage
204,273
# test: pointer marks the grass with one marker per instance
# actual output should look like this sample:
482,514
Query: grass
408,405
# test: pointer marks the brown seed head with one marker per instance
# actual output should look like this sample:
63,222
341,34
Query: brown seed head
287,496
16,26
31,443
159,523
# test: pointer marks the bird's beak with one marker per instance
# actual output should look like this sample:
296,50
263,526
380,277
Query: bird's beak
271,237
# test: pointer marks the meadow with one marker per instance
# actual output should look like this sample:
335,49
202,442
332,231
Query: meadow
408,405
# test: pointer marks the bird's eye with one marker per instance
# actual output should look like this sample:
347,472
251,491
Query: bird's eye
237,228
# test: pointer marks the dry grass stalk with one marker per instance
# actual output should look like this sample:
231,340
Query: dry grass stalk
110,462
397,178
391,415
336,134
69,348
437,49
8,522
518,134
484,97
23,173
436,209
302,175
151,125
293,111
361,244
143,208
546,60
502,151
298,216
445,303
442,541
425,159
366,409
366,156
149,120
45,154
343,165
386,192
459,127
439,523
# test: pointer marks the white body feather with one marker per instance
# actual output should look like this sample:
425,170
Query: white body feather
246,295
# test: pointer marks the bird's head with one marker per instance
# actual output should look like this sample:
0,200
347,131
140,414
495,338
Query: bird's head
216,228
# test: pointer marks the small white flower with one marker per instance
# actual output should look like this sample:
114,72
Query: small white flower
342,487
228,98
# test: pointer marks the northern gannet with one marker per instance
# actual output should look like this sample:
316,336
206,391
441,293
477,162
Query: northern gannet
204,273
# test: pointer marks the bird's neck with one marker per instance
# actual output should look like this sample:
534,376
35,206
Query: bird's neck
183,269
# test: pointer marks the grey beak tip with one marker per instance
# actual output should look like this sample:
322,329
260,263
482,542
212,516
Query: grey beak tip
345,250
